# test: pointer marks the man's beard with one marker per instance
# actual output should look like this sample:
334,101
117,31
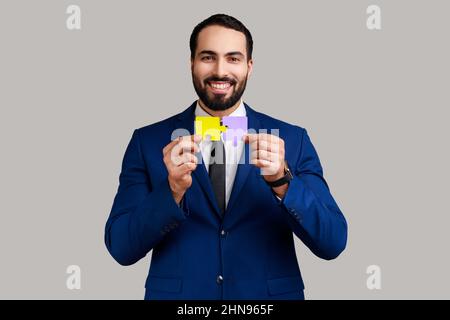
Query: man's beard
218,102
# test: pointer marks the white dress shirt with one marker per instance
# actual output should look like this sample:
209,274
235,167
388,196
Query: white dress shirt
232,153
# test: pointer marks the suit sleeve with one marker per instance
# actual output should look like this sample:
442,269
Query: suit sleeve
311,210
142,213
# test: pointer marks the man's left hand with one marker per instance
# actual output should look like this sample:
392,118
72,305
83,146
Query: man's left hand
267,153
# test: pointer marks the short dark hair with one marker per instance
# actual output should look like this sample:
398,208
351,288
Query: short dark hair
224,21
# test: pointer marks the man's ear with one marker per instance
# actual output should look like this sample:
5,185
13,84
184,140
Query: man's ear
250,67
191,62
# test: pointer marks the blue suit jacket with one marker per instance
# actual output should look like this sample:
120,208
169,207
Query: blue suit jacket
251,248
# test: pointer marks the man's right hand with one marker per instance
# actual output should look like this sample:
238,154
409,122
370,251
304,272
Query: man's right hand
180,161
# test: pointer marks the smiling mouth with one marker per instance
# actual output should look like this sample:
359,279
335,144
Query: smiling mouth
219,87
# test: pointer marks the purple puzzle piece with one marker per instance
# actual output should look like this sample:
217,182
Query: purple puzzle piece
236,128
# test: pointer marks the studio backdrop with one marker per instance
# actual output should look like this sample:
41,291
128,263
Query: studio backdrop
368,80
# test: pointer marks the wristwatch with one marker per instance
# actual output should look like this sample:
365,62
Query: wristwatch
283,180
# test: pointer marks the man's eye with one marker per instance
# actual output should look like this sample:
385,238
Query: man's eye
234,59
207,58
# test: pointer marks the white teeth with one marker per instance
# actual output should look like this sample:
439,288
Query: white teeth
220,85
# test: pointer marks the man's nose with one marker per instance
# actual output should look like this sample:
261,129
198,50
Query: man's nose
220,68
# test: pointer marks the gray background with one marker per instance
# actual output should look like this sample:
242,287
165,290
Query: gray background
375,104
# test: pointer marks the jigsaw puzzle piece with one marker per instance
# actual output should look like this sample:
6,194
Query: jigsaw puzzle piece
209,127
236,128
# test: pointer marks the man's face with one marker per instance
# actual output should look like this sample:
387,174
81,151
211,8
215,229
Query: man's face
220,68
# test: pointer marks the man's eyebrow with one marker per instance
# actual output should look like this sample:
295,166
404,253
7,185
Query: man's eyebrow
235,53
207,52
232,53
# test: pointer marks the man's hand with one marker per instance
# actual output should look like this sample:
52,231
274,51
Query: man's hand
180,161
267,153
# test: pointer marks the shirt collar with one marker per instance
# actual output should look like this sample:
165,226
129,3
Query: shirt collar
239,112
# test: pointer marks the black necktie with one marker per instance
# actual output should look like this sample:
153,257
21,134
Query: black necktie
217,173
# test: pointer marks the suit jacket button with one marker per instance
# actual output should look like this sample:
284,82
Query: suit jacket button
219,279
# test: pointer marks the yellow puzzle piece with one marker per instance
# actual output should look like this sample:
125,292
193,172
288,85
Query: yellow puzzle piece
209,127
